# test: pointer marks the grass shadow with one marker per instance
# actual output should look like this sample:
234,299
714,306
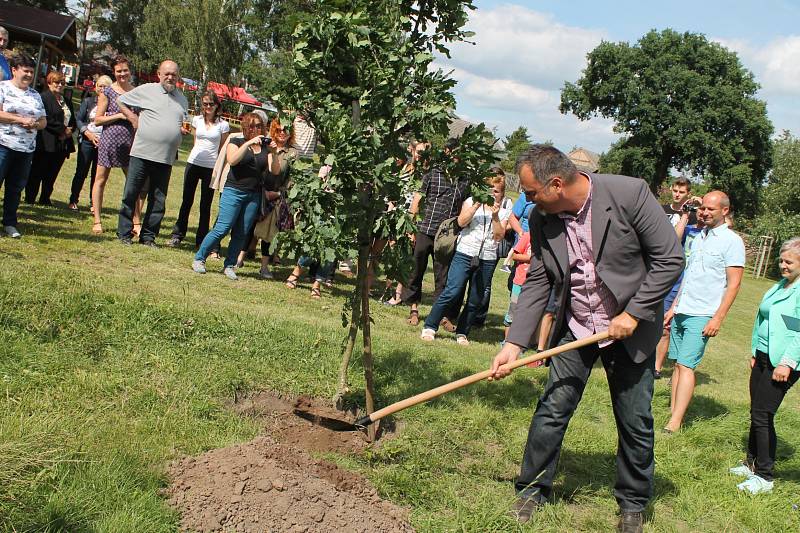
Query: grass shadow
702,408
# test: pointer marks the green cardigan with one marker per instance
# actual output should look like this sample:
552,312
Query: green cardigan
784,343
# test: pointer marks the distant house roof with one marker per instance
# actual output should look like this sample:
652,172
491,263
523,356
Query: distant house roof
457,126
585,160
36,23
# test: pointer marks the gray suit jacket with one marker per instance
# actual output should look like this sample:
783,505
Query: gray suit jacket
636,252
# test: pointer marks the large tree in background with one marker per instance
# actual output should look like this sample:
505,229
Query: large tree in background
362,75
681,102
120,28
59,6
515,143
205,37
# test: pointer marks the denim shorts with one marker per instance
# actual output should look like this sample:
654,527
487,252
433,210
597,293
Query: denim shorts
686,340
512,305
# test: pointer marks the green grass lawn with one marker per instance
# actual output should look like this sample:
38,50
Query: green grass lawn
115,360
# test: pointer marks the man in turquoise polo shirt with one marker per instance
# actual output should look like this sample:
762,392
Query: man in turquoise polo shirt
714,268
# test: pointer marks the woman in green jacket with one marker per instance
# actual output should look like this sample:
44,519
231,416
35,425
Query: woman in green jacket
775,368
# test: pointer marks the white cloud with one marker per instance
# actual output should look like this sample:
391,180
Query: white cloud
514,74
525,45
775,64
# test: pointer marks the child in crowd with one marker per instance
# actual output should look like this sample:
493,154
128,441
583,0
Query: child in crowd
521,255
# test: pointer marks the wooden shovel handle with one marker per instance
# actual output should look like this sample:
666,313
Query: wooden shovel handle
474,378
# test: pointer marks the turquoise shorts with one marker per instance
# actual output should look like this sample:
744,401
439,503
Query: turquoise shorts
686,340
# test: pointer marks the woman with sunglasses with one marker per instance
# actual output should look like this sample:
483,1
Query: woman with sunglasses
54,143
241,198
210,133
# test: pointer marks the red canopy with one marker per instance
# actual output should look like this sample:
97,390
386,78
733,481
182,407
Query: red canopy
240,95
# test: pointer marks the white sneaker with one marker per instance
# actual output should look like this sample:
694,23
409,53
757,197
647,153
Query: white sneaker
199,266
741,470
427,334
756,485
462,340
265,274
230,273
12,232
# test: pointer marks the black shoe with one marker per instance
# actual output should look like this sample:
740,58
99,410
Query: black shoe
174,242
126,241
149,244
47,203
657,374
630,523
523,509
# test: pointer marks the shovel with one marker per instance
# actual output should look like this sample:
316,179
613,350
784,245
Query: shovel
363,422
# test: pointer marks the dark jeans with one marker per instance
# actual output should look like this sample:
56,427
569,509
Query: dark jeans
483,312
44,171
766,396
87,161
412,292
193,176
155,176
14,169
318,270
631,387
458,276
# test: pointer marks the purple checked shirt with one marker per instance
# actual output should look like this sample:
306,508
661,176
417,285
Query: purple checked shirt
592,306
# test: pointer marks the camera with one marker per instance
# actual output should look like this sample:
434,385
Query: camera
689,208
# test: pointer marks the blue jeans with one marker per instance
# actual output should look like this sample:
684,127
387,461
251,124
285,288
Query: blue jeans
457,278
237,213
14,170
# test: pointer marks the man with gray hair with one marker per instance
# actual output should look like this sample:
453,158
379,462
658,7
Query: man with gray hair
5,69
603,243
161,122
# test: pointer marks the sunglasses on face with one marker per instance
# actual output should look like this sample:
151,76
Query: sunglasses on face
209,104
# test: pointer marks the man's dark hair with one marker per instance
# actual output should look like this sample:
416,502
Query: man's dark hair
546,161
681,181
20,61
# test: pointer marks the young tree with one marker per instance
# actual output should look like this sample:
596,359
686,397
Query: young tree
515,145
682,102
363,77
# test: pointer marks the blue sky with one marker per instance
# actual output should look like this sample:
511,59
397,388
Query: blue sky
526,50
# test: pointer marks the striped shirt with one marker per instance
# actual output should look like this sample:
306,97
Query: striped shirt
592,305
443,199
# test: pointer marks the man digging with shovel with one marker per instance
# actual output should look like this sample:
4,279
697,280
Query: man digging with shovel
603,243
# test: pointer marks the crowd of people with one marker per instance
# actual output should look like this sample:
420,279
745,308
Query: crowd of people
586,253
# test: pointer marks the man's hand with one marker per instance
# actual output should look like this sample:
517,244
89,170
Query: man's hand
712,328
508,354
668,316
781,373
622,326
185,131
93,138
752,362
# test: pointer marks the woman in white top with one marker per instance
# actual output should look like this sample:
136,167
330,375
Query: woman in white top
210,133
474,261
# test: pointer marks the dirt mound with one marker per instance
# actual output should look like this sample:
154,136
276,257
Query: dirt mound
272,484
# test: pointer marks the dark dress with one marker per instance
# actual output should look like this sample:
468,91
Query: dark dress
116,140
51,149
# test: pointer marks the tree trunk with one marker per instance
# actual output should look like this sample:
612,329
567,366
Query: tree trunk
363,277
347,354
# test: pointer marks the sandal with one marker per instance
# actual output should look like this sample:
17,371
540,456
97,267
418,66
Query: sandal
315,293
291,281
97,228
137,230
448,326
413,318
427,334
462,340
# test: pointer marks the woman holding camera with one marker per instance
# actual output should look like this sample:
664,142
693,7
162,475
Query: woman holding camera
475,258
774,368
241,198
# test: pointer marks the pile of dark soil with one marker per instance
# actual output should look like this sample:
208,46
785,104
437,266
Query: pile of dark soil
272,483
